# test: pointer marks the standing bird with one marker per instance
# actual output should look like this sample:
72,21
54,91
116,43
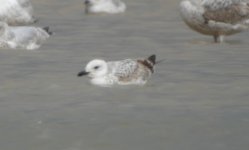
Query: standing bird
16,12
123,72
218,18
104,6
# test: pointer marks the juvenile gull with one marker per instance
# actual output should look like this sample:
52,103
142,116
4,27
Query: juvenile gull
218,18
123,72
104,6
24,37
16,12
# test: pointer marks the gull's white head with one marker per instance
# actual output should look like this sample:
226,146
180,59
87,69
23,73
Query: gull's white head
95,68
104,6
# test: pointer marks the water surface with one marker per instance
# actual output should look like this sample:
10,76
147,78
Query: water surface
197,99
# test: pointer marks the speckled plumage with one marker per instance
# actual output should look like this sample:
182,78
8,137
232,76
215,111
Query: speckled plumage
216,17
128,71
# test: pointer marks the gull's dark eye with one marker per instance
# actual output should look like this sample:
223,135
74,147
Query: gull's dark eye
96,67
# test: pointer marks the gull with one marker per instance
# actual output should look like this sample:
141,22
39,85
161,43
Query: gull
16,12
104,6
24,37
217,18
123,72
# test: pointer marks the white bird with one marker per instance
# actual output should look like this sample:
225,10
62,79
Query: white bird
23,37
218,18
123,72
16,12
104,6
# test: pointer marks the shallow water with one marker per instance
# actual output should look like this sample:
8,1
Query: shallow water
197,99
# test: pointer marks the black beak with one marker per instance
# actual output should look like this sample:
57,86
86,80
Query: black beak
82,73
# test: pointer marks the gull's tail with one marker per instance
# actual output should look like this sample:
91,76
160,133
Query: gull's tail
152,59
47,30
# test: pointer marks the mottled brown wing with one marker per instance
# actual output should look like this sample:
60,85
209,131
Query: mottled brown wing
147,64
233,13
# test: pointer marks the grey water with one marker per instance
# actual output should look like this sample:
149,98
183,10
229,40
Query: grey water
198,98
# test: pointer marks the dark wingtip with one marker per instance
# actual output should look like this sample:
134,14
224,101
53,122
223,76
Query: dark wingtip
47,30
152,58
